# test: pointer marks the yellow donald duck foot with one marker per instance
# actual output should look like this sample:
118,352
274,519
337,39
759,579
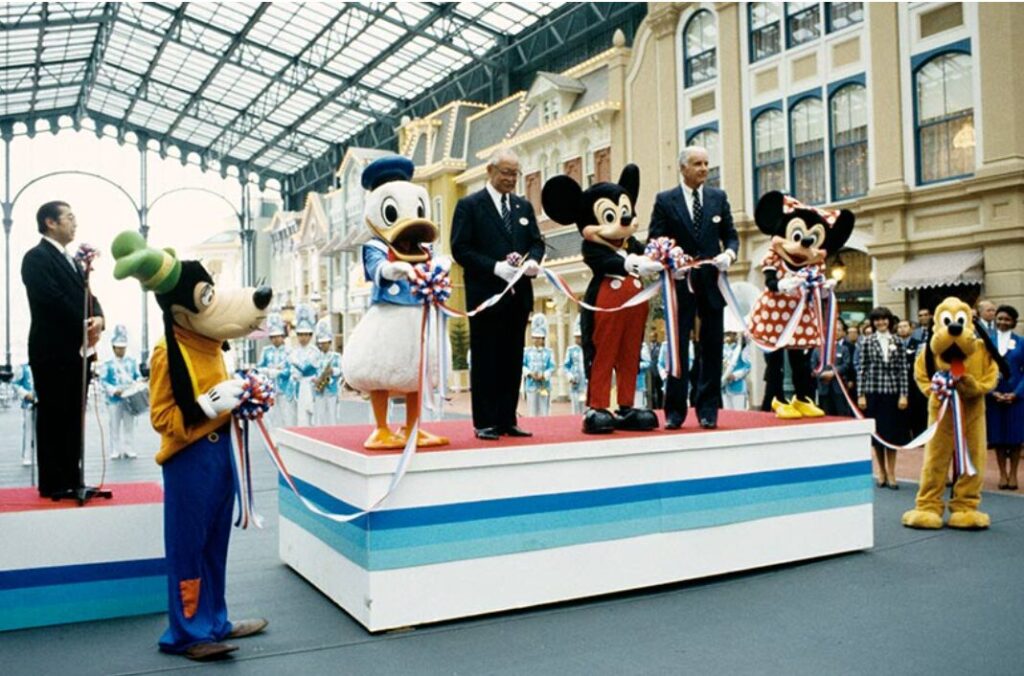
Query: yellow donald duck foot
917,518
383,438
806,407
969,520
785,411
424,438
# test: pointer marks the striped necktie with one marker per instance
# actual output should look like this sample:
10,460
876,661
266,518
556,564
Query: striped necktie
698,212
506,213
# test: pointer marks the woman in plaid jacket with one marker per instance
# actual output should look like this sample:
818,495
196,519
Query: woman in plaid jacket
882,390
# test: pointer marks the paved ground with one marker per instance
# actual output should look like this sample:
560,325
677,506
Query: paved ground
917,603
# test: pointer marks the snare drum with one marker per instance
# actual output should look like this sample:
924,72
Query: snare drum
135,398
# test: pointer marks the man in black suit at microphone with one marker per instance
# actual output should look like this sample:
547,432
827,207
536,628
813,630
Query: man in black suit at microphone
55,283
487,227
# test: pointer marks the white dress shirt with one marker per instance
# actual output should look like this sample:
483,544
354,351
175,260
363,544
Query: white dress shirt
63,252
496,198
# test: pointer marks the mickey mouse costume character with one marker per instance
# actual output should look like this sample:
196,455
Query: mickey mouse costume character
191,400
605,215
801,238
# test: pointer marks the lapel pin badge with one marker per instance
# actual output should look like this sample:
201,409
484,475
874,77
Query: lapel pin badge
524,221
716,219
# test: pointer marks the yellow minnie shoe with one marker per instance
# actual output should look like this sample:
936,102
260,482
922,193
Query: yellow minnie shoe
785,411
807,408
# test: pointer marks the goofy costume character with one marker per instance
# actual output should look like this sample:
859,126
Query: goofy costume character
192,398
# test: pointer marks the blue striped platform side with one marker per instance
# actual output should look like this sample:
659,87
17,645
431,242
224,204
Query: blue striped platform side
36,597
407,537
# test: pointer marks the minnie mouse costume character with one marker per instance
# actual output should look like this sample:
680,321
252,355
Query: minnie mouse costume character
606,218
801,238
192,398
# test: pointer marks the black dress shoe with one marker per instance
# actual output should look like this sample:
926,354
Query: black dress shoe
487,433
673,421
514,431
708,423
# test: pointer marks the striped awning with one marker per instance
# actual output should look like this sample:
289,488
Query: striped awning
955,268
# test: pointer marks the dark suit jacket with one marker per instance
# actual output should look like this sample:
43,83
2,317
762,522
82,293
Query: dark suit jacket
56,296
479,240
844,368
671,218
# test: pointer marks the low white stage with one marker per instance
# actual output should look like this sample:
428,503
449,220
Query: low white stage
482,527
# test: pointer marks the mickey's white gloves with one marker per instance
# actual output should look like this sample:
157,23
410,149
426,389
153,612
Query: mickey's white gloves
505,270
830,284
396,270
723,260
642,266
531,268
222,398
790,284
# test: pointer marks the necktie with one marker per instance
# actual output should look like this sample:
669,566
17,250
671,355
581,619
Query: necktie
506,213
698,212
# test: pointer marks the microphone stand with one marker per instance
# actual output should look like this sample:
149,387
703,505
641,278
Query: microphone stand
84,493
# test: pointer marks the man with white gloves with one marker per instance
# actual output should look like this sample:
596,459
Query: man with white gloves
699,219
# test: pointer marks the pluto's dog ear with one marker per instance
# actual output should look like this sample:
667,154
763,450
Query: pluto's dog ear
629,179
561,199
768,213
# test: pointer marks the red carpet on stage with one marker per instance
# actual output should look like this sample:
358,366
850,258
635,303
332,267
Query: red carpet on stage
551,430
27,499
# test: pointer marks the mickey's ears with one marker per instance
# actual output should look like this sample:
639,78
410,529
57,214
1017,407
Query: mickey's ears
156,270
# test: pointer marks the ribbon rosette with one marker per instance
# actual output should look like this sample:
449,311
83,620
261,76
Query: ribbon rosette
257,398
665,251
515,259
431,283
943,384
86,254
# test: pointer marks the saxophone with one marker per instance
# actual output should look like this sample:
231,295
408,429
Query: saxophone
323,380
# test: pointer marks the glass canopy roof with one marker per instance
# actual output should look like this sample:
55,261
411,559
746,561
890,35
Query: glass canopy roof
265,85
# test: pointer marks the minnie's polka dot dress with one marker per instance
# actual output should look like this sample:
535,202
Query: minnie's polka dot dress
773,311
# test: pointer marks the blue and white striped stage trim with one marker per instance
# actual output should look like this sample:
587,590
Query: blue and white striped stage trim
471,532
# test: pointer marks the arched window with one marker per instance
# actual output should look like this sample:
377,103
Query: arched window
849,114
944,117
769,152
699,39
807,150
764,19
708,138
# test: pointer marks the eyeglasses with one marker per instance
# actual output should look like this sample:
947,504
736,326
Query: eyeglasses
510,173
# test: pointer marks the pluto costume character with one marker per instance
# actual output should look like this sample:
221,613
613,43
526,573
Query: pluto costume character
956,348
605,215
192,398
801,238
382,357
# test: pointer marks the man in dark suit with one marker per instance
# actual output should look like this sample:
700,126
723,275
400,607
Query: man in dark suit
923,332
55,284
830,397
698,218
487,227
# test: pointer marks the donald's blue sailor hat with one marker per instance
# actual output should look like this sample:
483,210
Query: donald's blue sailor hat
386,169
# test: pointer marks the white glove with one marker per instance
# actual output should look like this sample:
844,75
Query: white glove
830,284
505,270
642,266
531,268
679,273
723,260
221,398
396,270
790,284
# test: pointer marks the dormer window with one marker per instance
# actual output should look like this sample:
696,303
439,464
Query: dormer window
550,110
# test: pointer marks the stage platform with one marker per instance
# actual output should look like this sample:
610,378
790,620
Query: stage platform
62,563
480,527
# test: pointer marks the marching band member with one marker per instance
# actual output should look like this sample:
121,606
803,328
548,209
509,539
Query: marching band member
303,361
325,390
575,371
116,375
735,367
274,364
538,367
27,396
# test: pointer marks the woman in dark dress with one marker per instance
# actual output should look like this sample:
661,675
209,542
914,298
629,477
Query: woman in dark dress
1004,407
882,390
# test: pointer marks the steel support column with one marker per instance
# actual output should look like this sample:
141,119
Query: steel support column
8,222
247,235
144,231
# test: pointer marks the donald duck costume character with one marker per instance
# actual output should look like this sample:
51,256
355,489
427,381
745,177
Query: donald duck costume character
325,393
574,370
383,354
303,360
27,395
538,367
116,375
274,364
